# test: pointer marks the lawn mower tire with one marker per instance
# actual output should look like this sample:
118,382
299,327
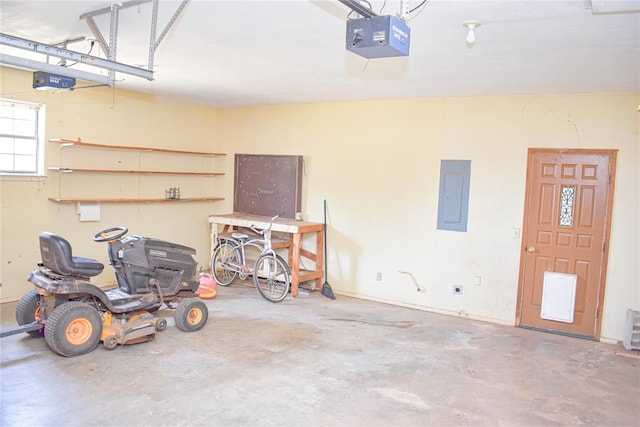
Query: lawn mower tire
73,328
191,315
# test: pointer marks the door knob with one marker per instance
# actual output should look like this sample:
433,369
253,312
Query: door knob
531,249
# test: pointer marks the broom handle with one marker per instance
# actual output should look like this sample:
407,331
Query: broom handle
325,240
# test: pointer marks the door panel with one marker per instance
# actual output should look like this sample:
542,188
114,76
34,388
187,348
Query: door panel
566,225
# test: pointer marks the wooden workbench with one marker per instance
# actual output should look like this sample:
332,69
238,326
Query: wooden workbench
294,229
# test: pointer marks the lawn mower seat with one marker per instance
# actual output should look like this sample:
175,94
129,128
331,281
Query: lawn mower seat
56,255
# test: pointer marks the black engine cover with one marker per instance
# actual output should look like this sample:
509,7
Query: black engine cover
142,264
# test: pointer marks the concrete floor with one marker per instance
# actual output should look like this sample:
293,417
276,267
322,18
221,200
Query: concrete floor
317,362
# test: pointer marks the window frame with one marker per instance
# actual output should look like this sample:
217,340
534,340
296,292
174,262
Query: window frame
39,129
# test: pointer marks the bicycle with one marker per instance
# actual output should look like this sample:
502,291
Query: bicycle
271,273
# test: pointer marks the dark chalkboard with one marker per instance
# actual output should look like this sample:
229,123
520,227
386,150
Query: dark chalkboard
267,184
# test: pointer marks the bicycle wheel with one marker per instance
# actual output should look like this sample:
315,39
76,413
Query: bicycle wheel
223,262
272,277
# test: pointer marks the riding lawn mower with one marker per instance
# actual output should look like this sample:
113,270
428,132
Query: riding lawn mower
74,315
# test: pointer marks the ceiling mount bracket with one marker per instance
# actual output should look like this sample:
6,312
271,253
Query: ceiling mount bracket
109,50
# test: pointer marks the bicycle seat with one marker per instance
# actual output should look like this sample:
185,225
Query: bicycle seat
240,236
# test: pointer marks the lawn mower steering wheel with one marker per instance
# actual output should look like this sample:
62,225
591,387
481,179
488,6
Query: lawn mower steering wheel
110,234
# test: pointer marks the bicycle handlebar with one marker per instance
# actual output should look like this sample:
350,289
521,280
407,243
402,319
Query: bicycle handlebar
268,228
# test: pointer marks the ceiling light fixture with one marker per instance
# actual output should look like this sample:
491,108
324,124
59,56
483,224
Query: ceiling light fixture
471,34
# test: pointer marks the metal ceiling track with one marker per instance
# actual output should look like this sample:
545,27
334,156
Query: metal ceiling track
359,8
365,10
109,49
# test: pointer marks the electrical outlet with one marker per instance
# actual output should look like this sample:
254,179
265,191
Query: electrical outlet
457,289
379,276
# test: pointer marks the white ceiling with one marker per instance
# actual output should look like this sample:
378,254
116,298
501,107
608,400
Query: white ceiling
243,52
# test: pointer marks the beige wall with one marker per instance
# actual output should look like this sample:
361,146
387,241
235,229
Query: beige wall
377,165
108,116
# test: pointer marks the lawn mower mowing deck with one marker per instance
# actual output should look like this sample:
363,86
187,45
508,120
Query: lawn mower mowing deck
76,315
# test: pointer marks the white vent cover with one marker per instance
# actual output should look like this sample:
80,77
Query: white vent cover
558,296
631,337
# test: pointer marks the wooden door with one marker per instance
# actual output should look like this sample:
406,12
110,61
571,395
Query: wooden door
566,230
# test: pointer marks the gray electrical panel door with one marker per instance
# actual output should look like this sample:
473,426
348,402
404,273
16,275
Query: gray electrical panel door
453,201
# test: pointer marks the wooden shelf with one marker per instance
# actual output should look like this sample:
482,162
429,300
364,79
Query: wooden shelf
153,169
101,200
145,172
80,143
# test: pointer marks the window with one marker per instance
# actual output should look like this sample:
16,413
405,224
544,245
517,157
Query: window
21,136
567,197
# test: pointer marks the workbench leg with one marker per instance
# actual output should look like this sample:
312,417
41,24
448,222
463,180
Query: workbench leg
214,240
295,264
